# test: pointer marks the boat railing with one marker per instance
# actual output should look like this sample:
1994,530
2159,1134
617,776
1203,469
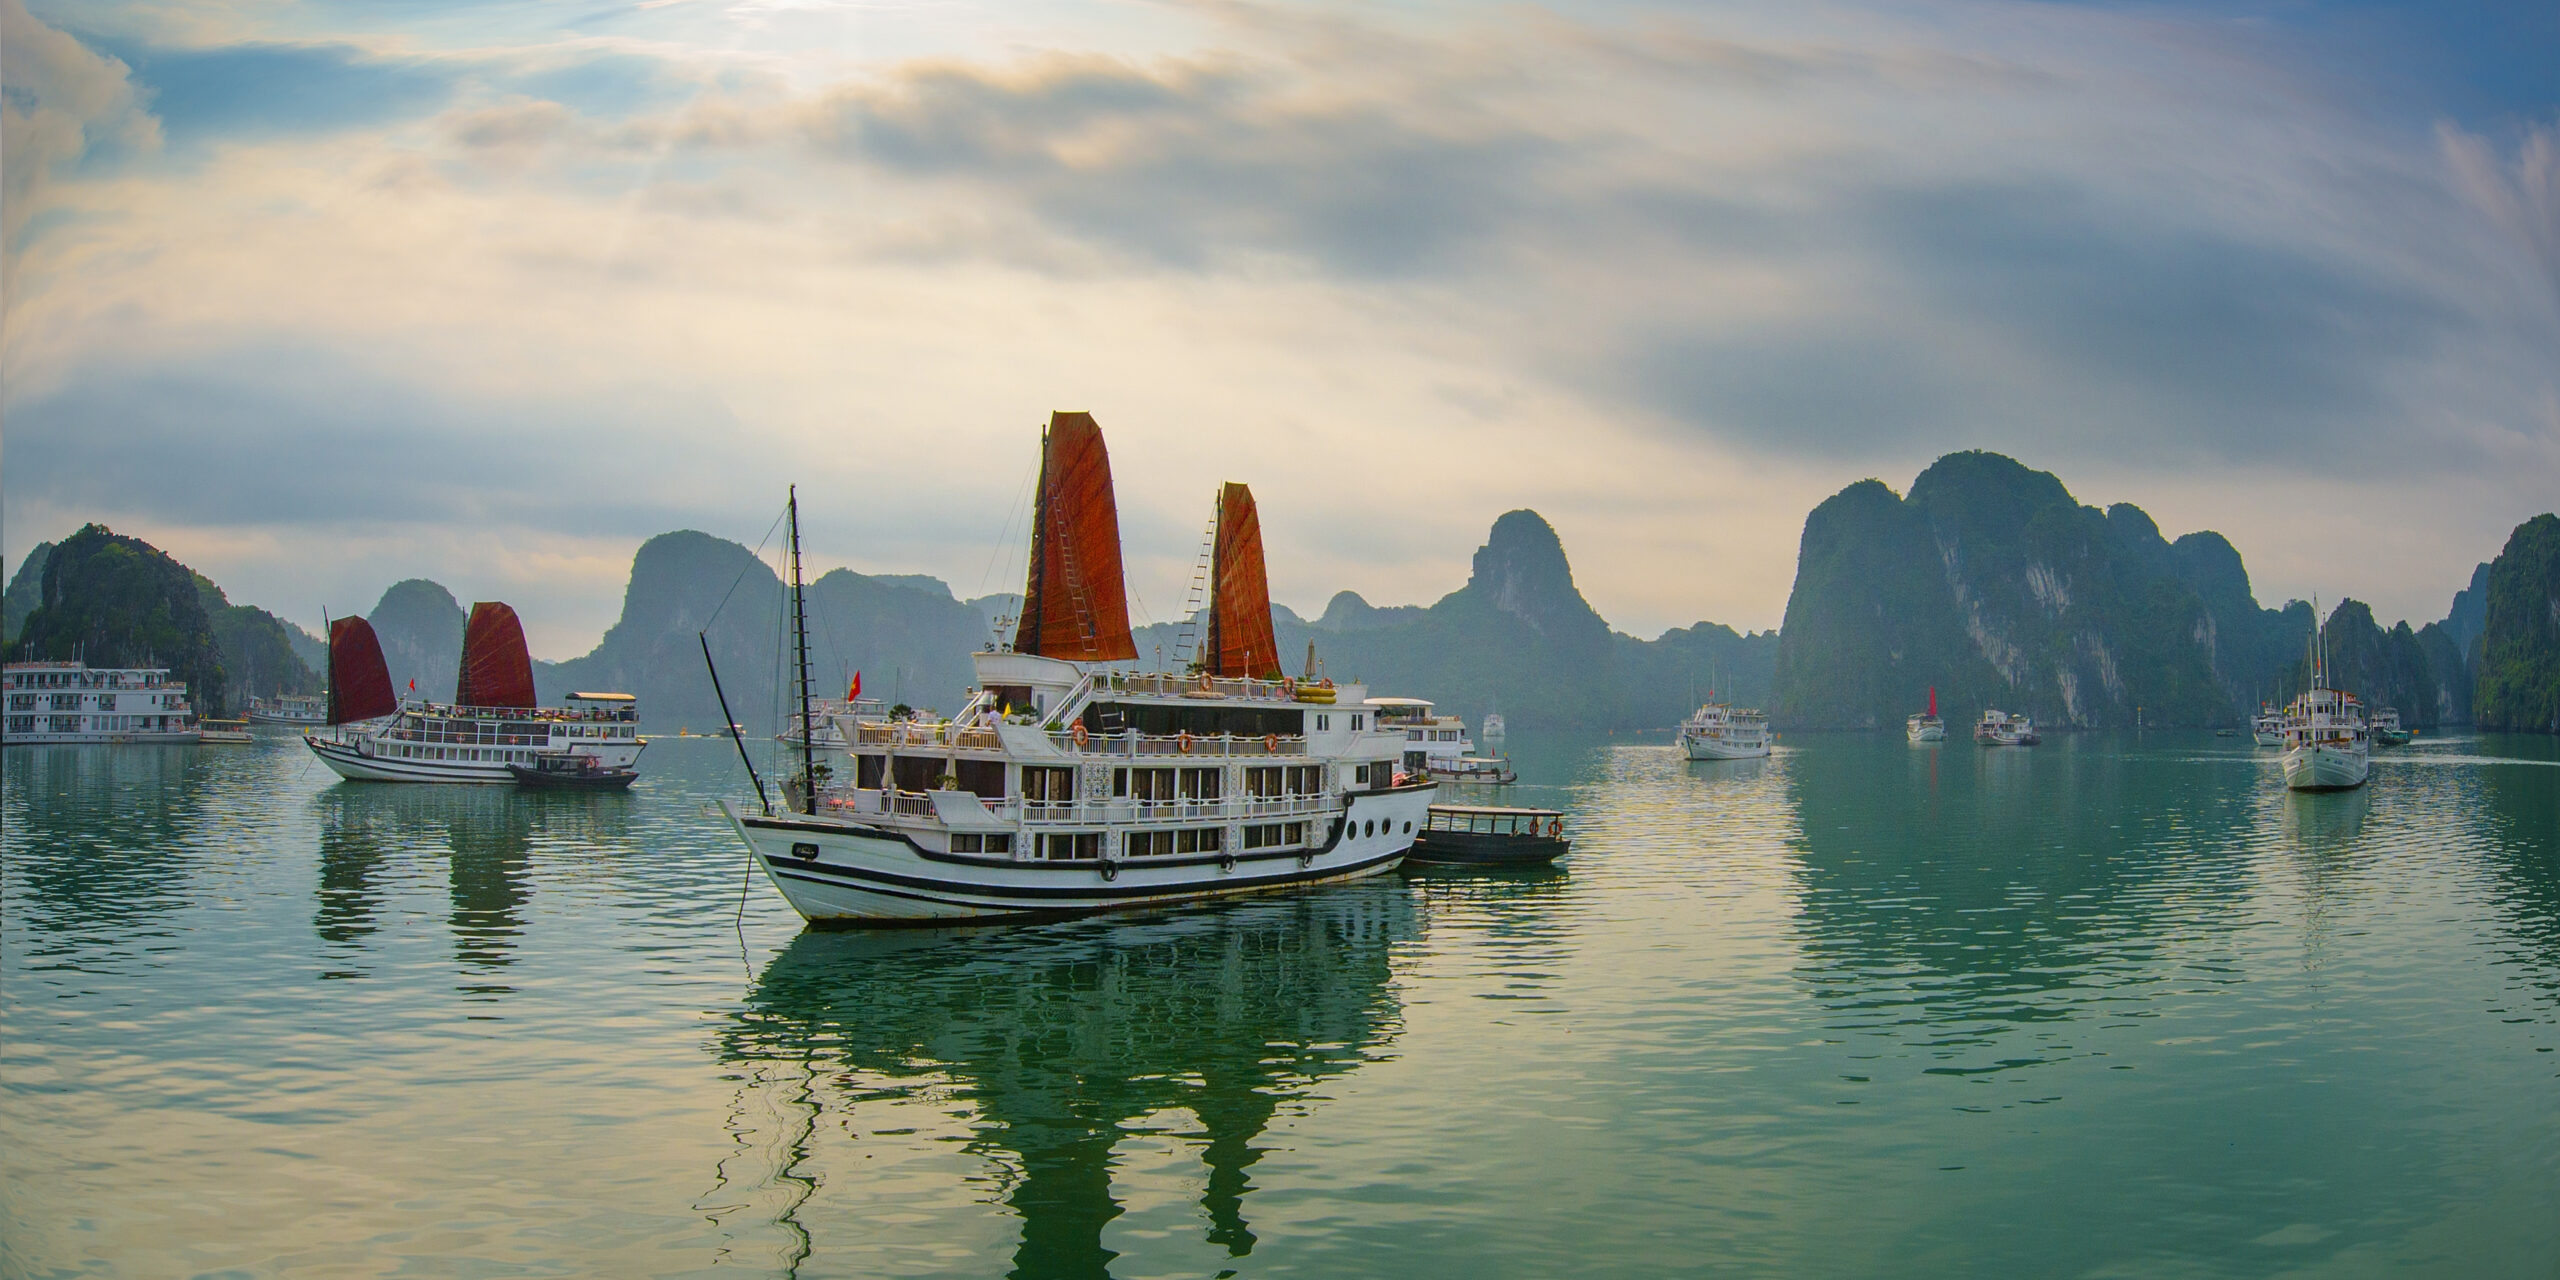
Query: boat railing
1121,810
1131,743
1171,685
909,733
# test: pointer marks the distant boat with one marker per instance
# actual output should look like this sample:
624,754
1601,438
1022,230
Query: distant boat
226,733
1494,729
571,771
824,712
2386,728
2268,728
2326,744
491,725
1719,732
1432,742
2001,729
299,710
69,702
1926,727
1486,769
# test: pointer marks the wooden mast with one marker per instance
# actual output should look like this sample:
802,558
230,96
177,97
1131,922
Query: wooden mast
800,645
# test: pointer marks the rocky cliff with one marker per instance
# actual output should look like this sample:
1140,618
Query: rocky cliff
115,601
1990,582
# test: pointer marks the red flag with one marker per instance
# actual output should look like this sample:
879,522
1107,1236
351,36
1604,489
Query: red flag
413,686
855,692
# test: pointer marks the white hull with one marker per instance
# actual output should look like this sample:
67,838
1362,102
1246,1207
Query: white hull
2269,738
1925,732
2325,768
354,763
1719,749
844,870
132,738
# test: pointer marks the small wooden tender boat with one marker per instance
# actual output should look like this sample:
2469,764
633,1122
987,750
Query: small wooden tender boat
572,771
225,732
1489,836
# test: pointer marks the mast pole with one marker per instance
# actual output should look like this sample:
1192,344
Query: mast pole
1035,593
800,644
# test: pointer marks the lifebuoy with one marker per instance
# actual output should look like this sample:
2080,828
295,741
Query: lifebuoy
1078,733
1110,869
1271,744
1182,742
1555,828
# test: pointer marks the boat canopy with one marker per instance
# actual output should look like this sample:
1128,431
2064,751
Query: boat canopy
496,669
1075,605
359,683
1240,639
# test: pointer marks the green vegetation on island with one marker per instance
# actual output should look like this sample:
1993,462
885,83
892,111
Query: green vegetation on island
2518,681
113,601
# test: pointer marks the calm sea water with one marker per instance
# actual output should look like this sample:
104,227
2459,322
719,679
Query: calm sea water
2112,1006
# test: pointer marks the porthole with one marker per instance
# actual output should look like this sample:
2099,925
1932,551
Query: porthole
1370,829
1408,828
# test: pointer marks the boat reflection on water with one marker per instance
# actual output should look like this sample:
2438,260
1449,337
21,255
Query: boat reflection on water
489,837
2323,822
1060,1037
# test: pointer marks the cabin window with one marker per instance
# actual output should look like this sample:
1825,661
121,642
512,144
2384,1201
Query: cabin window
970,842
1262,783
1150,844
1152,786
1323,723
1275,835
984,778
1201,784
1200,840
1001,842
867,771
1065,847
1355,724
1043,784
917,773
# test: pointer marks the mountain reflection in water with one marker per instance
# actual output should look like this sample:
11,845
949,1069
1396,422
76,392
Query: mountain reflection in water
1059,1037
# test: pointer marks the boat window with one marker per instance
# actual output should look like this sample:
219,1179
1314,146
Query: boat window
1201,784
1150,844
983,778
1048,785
1001,842
1323,723
1063,847
1200,840
1408,826
922,773
867,770
1151,786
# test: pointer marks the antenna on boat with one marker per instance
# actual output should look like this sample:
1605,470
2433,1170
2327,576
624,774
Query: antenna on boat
800,649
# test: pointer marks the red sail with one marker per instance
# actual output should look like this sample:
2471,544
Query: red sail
1075,605
1240,641
359,683
496,669
1933,699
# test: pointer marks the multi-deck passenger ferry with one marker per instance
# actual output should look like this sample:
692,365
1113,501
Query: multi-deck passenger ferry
2267,728
297,710
2004,729
1716,731
491,725
1063,786
66,702
2327,746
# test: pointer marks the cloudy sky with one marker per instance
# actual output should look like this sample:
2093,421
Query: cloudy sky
321,295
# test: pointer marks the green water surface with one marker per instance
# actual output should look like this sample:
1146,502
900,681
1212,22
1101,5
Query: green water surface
2111,1006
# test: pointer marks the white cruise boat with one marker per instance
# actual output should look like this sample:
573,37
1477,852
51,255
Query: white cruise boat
2387,731
1495,729
491,724
826,713
2327,746
1065,787
1716,731
67,702
2267,727
299,710
1926,727
2003,729
1432,742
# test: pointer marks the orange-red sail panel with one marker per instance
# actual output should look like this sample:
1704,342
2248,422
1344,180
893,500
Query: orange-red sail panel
1076,605
1240,640
359,682
497,671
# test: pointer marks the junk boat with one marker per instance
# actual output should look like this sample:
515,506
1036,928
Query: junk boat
299,710
70,702
2001,729
491,724
1926,727
1062,786
1490,836
2327,746
572,771
1719,732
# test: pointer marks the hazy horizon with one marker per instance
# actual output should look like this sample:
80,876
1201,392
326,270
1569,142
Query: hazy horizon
321,296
